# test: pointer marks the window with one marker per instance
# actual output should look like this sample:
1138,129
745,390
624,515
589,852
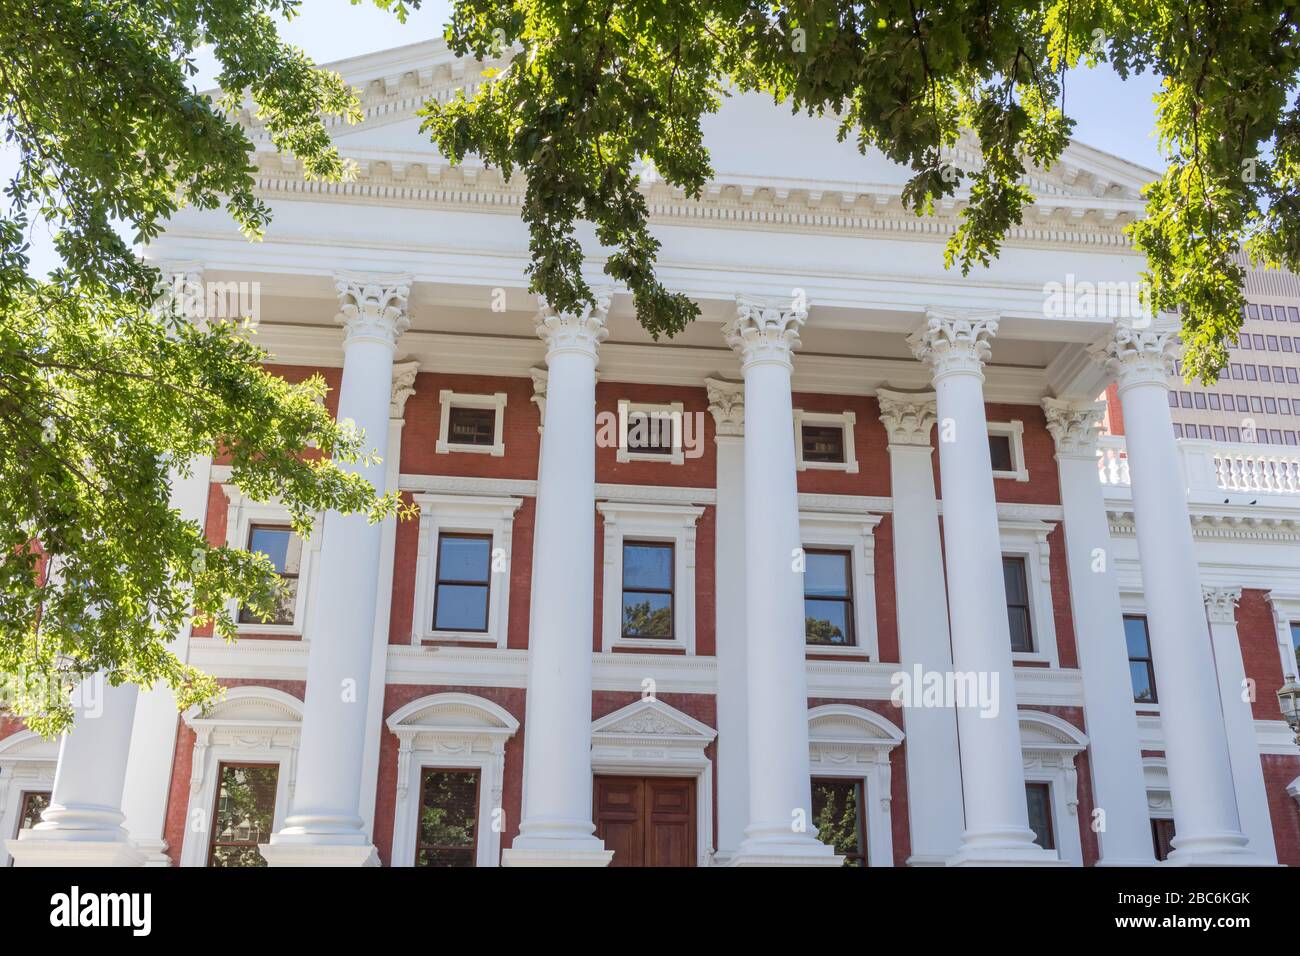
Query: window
1214,401
651,432
837,812
1007,451
828,598
463,583
1017,587
647,590
825,440
1295,643
823,444
1141,672
1162,838
284,549
1000,453
244,815
1198,399
31,805
1229,403
1038,797
448,824
471,423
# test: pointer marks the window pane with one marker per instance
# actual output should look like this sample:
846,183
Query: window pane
1295,643
826,575
650,433
33,805
827,622
1162,836
461,607
245,814
448,818
647,614
472,426
1039,798
1000,453
1021,637
1135,633
1013,574
837,814
280,545
1140,674
464,558
648,566
823,443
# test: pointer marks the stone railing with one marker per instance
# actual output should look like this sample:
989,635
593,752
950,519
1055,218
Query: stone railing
1215,466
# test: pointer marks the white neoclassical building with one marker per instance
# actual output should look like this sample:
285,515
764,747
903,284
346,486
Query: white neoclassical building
845,572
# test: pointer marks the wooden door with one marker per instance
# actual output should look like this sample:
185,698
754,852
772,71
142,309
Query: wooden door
646,821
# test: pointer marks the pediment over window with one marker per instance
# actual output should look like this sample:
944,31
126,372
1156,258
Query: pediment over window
249,707
844,722
27,746
452,713
1041,732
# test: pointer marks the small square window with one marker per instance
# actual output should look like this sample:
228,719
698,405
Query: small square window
1038,797
828,598
823,444
647,590
825,440
1017,588
1142,672
284,550
471,423
463,582
651,432
471,426
1000,453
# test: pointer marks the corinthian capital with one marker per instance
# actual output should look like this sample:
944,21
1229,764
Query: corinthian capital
953,342
1138,356
1221,604
373,307
765,330
580,331
1074,426
727,405
907,416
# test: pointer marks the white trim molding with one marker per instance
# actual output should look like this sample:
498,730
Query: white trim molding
467,514
854,742
448,399
243,512
845,420
455,732
27,764
670,412
1015,430
248,725
649,738
1027,538
673,524
1160,801
856,533
1050,746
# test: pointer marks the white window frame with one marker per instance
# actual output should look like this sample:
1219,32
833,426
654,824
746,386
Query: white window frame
250,724
676,412
243,513
1133,604
448,399
1027,539
669,524
450,731
27,763
846,421
1015,430
1286,610
464,514
1049,746
853,742
854,533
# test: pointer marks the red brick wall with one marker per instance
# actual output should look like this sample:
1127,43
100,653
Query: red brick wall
1062,611
1279,771
1114,421
870,447
692,473
1259,651
886,597
519,428
1091,848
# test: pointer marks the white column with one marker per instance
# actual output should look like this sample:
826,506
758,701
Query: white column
934,799
556,829
82,826
956,345
1196,747
1239,722
780,830
324,826
727,404
1115,750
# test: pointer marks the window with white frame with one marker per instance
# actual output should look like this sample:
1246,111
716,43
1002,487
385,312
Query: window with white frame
649,574
824,440
1007,450
1049,747
27,764
264,526
650,432
471,423
839,562
462,568
1027,575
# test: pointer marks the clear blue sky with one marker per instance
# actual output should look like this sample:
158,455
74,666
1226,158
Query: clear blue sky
1113,115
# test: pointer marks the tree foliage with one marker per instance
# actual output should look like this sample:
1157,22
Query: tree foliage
597,91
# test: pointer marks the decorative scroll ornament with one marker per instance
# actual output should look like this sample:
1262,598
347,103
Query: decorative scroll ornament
1074,425
373,307
580,331
727,405
765,330
1138,356
954,342
403,387
539,377
1221,604
907,416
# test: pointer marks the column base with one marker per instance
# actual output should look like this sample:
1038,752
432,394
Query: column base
44,851
556,856
556,842
1215,849
763,847
1005,846
318,854
155,852
1135,861
921,859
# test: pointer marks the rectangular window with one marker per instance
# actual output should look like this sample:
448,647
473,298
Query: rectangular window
1252,310
471,426
1001,454
1214,401
1244,342
823,443
31,804
1270,404
1205,431
284,550
1264,374
838,812
1293,313
1234,370
1162,838
1275,436
648,589
1220,434
1017,585
1266,313
1255,404
1141,672
1038,797
463,582
244,815
1185,398
1292,377
1271,341
1173,403
448,827
1229,403
1178,430
1234,433
651,432
828,598
1257,341
1250,374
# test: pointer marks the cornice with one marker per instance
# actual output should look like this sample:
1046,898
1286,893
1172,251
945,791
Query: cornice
1219,525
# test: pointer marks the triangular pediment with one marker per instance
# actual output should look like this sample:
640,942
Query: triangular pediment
651,718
